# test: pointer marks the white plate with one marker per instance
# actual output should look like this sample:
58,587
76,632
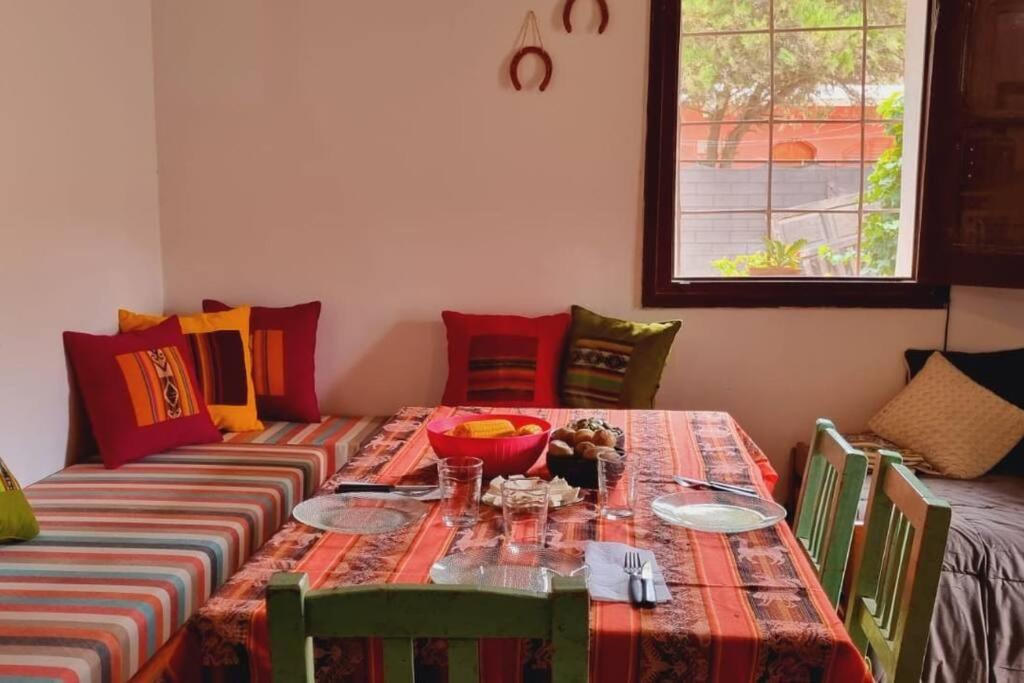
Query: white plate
360,513
528,569
717,511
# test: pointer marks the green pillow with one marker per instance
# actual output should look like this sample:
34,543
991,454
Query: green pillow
17,523
613,363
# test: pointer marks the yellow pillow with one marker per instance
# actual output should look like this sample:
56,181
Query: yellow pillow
223,362
960,428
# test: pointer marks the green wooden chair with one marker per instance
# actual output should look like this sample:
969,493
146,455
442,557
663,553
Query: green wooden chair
827,508
398,614
890,607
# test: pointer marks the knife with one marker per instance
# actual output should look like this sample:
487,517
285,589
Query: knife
647,578
718,486
367,487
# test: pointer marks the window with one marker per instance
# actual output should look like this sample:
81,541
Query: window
782,153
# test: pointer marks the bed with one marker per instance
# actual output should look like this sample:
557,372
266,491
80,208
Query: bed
977,630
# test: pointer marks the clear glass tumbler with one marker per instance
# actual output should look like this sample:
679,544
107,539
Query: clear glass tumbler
460,480
524,507
616,482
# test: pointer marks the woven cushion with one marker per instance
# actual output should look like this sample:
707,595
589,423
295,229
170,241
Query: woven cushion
140,391
17,523
1001,372
960,427
614,363
220,347
283,359
503,360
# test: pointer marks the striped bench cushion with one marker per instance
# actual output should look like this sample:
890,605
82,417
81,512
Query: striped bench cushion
126,556
340,437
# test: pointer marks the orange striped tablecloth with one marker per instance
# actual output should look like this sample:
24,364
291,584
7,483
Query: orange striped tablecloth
744,607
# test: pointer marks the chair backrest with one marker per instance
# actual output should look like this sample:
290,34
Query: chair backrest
398,614
890,608
827,510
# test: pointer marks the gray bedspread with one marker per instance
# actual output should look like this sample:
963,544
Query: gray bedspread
977,632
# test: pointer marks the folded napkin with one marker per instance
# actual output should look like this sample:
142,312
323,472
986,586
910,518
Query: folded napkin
607,580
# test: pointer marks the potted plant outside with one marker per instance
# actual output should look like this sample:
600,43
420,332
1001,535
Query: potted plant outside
778,259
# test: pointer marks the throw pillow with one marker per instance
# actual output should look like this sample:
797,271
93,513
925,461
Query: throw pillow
614,363
219,344
504,360
1001,372
283,359
961,428
140,391
17,523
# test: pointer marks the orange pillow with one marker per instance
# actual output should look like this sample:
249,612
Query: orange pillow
223,361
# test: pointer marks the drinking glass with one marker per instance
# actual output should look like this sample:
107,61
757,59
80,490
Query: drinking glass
460,480
616,485
524,507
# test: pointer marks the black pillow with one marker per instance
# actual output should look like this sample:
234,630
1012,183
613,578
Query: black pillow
1001,372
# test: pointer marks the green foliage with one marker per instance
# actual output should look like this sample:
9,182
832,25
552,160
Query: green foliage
776,254
880,232
726,78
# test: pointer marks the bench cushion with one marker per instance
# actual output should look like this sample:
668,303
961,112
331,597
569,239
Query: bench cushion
124,557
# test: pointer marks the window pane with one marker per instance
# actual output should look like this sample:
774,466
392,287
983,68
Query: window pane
884,73
817,141
818,13
703,187
882,184
816,186
818,72
886,11
710,238
878,244
723,143
829,241
723,78
724,15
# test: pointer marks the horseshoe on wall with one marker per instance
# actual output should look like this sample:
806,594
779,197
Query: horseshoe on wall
567,15
513,69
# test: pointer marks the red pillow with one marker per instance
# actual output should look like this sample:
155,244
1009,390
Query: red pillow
139,390
504,360
283,359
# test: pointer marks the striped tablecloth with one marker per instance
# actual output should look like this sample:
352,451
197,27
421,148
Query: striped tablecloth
744,607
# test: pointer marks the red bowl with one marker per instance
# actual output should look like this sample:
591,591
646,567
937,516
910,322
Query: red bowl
502,456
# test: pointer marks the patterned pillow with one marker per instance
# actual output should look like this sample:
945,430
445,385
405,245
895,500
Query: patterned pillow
283,360
961,428
614,363
503,360
219,344
17,523
140,391
1001,372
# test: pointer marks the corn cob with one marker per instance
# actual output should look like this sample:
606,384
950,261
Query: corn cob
485,429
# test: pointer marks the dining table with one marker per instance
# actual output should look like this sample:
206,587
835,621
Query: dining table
743,607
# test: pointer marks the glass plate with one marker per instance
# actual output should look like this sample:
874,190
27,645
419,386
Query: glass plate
717,511
360,513
527,570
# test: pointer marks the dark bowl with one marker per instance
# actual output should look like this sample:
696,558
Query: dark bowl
577,471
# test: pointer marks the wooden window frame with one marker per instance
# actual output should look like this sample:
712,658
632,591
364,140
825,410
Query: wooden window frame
660,287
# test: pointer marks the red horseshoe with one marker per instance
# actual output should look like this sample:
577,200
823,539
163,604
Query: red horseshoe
513,69
567,15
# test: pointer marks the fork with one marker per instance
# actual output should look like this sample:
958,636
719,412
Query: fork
631,565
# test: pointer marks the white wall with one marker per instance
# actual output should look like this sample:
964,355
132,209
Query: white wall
79,229
373,155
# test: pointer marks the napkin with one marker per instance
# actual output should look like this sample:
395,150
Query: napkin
607,581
